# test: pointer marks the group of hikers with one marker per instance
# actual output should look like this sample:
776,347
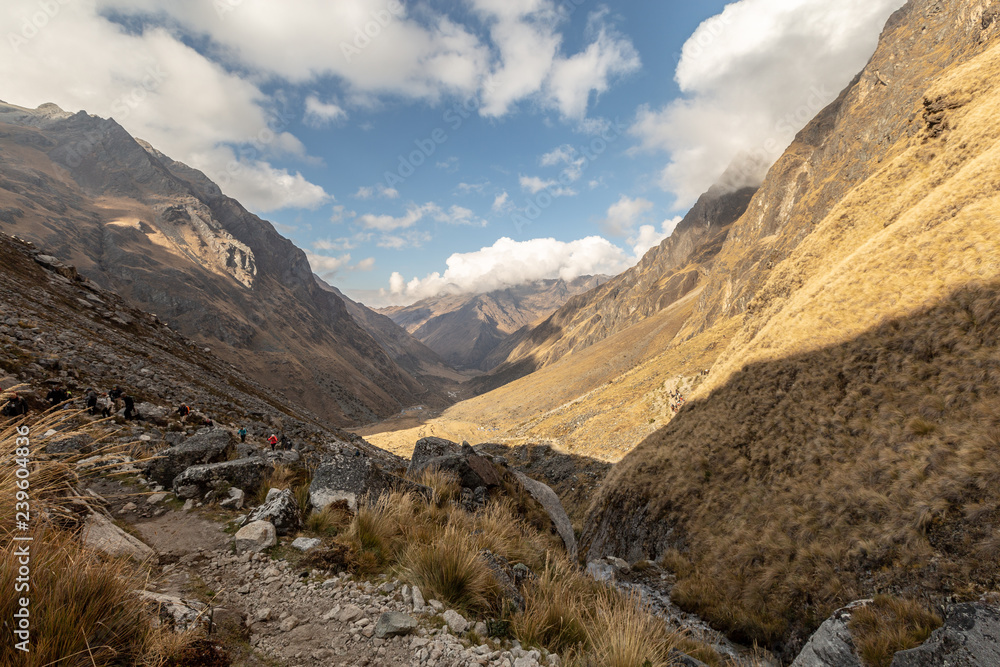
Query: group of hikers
186,414
106,403
676,401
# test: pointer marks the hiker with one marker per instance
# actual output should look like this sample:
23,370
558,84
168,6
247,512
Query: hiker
273,440
130,411
285,443
242,433
184,410
16,406
104,405
57,395
208,421
116,393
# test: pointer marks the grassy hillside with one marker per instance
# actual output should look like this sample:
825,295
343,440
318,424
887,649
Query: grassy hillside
847,441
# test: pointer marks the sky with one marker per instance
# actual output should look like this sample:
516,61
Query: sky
414,147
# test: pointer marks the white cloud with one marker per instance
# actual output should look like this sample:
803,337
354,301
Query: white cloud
478,188
649,236
456,215
573,79
753,76
328,268
321,114
501,202
507,263
340,213
411,238
624,214
566,155
377,190
534,185
366,264
82,61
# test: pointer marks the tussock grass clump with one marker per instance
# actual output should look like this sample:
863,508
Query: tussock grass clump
450,569
888,625
444,484
331,520
623,633
83,609
555,615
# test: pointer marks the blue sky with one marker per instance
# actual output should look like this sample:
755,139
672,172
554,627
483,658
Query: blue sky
413,147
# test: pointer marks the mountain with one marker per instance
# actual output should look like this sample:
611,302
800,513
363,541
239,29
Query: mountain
665,274
468,330
843,443
165,237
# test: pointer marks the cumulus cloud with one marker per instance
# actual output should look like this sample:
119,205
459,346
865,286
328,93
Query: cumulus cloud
321,114
455,215
649,236
753,76
328,268
624,214
501,202
507,263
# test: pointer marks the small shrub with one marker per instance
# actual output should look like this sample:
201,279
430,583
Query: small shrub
888,625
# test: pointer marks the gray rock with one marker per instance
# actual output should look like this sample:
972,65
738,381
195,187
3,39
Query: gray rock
456,621
181,615
970,636
306,543
418,599
683,659
599,570
472,470
548,499
255,537
281,509
100,534
244,474
393,624
427,449
349,613
205,446
832,645
351,478
68,442
235,499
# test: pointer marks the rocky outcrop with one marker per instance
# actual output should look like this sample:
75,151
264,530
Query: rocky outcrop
832,645
206,446
970,636
548,499
196,481
352,478
281,509
470,469
426,449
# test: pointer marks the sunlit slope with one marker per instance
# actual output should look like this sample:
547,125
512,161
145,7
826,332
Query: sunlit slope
847,441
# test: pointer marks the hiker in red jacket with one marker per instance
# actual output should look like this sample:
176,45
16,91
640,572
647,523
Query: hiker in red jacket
273,440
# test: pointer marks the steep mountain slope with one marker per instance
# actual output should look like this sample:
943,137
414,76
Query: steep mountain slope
845,441
166,238
468,329
663,276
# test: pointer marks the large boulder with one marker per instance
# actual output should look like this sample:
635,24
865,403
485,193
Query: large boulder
832,645
427,449
209,445
548,499
350,478
970,636
196,481
394,624
101,534
471,469
281,509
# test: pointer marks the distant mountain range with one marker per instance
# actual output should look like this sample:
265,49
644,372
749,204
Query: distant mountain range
164,236
474,331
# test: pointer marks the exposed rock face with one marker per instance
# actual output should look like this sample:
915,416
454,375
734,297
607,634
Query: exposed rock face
166,238
351,478
831,645
100,534
280,509
469,330
471,469
206,446
548,499
665,274
427,449
970,636
196,481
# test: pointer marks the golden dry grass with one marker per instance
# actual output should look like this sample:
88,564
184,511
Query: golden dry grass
888,625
